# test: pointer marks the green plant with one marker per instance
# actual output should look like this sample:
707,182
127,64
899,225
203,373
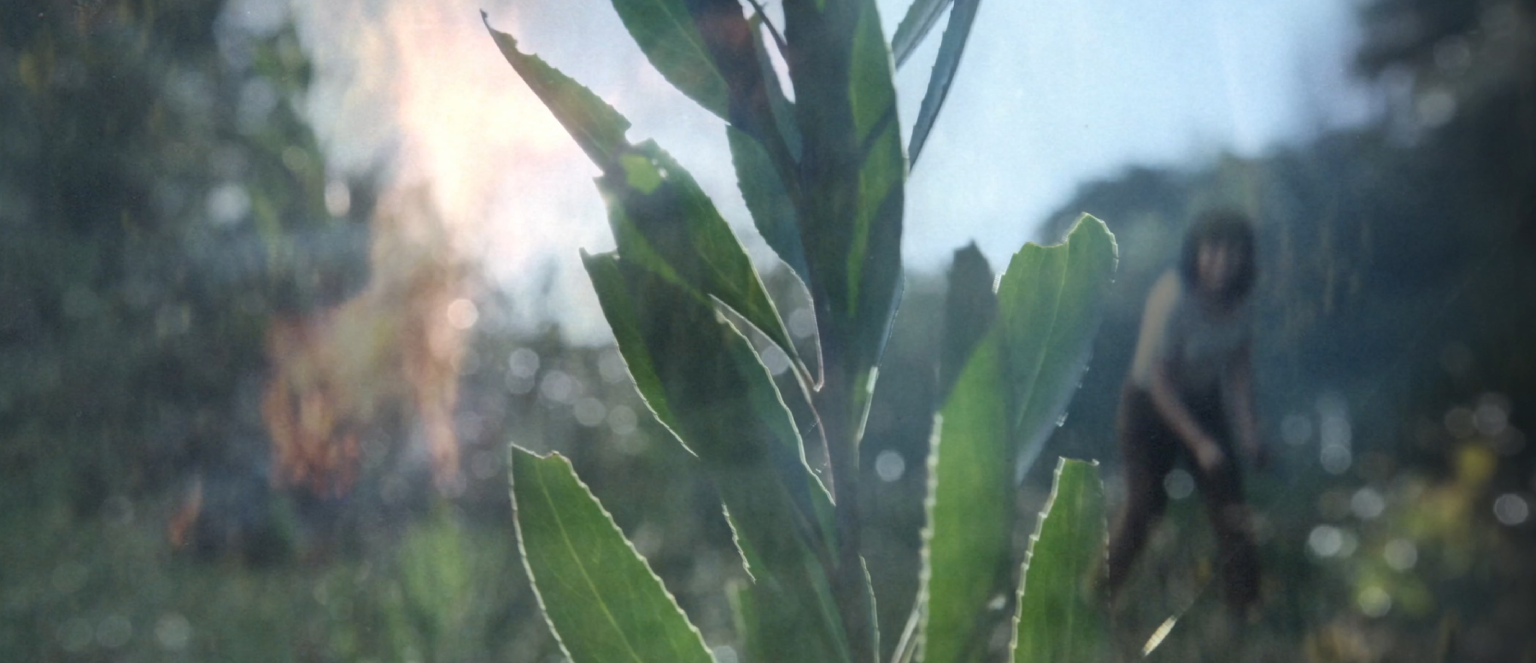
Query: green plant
823,177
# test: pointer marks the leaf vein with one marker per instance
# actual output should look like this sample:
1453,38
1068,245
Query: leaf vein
565,538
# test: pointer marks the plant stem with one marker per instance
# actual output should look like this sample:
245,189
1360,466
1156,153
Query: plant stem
836,406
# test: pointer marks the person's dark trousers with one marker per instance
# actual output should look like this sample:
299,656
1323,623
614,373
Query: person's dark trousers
1150,450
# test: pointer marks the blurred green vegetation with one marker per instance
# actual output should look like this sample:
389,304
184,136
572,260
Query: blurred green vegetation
1398,292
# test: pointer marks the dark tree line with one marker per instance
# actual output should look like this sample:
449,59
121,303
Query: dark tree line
161,196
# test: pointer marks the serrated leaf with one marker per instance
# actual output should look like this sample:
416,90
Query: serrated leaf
713,54
773,212
764,141
1050,302
660,216
873,261
920,18
970,306
1007,400
596,126
670,39
970,510
707,385
624,317
598,595
951,47
849,201
704,382
664,222
1057,620
765,178
782,109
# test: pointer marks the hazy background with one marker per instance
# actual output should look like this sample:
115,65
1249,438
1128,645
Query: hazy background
1050,95
279,283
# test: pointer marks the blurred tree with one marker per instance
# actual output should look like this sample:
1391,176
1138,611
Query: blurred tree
1466,73
161,196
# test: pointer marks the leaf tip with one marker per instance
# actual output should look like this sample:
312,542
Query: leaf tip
485,18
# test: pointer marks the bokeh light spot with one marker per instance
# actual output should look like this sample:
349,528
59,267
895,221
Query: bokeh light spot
463,314
173,631
338,198
523,362
1179,484
590,412
611,366
1335,458
557,387
723,654
1374,601
1325,541
1460,422
622,419
890,465
1296,429
775,359
1492,415
1400,554
1511,509
1367,504
802,323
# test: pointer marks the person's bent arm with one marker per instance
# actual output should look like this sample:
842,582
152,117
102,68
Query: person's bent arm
1176,412
1240,397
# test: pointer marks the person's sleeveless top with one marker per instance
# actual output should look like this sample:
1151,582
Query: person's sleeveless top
1199,347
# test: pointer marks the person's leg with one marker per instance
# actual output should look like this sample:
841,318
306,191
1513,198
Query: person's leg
1222,491
1234,538
1146,447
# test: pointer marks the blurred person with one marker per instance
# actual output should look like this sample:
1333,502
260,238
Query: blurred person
1188,395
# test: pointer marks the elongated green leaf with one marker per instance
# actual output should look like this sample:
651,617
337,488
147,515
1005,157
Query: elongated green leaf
598,595
707,385
744,618
1050,302
663,221
772,210
920,18
712,53
970,510
1057,621
1008,398
852,173
667,34
596,126
624,315
969,309
778,104
766,178
660,216
951,47
873,262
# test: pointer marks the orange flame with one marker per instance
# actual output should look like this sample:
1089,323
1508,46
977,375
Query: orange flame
392,348
314,443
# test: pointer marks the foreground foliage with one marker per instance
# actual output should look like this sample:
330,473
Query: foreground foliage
823,178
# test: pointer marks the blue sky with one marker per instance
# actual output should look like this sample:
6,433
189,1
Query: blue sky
1052,94
1049,95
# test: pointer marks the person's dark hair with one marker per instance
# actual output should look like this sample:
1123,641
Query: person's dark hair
1222,226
